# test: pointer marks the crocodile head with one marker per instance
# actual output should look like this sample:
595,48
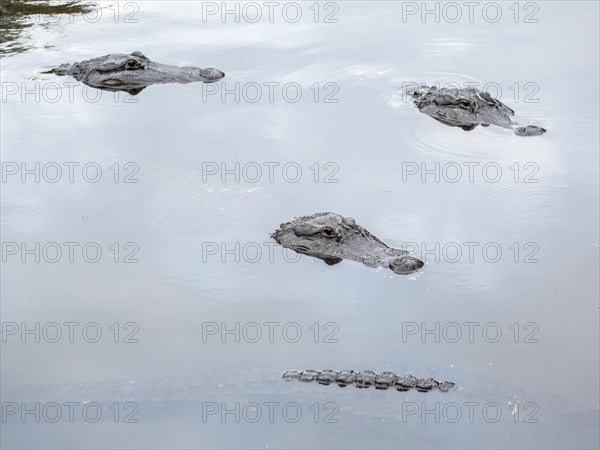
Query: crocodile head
332,238
467,108
132,72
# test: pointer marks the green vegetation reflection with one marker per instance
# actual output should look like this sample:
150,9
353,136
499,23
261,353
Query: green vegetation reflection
18,16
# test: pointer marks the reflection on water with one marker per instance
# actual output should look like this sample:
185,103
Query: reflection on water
507,227
17,16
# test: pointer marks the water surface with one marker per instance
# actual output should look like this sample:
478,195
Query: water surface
363,137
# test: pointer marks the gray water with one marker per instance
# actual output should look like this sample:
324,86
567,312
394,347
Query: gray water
200,260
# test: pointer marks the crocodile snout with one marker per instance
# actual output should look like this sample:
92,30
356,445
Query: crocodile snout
405,265
209,75
530,130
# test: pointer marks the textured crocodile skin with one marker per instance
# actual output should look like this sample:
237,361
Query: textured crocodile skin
367,378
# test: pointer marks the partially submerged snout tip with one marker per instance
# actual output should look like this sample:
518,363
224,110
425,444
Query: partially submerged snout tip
210,75
530,130
405,265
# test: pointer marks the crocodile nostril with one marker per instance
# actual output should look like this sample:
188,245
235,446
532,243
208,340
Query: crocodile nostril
210,75
405,265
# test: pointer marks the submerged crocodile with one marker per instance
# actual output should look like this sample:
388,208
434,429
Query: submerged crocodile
332,238
132,73
467,108
367,378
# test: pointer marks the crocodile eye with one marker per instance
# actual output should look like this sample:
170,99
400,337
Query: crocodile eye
329,232
131,64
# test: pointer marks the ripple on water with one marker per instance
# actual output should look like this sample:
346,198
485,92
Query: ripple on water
398,98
